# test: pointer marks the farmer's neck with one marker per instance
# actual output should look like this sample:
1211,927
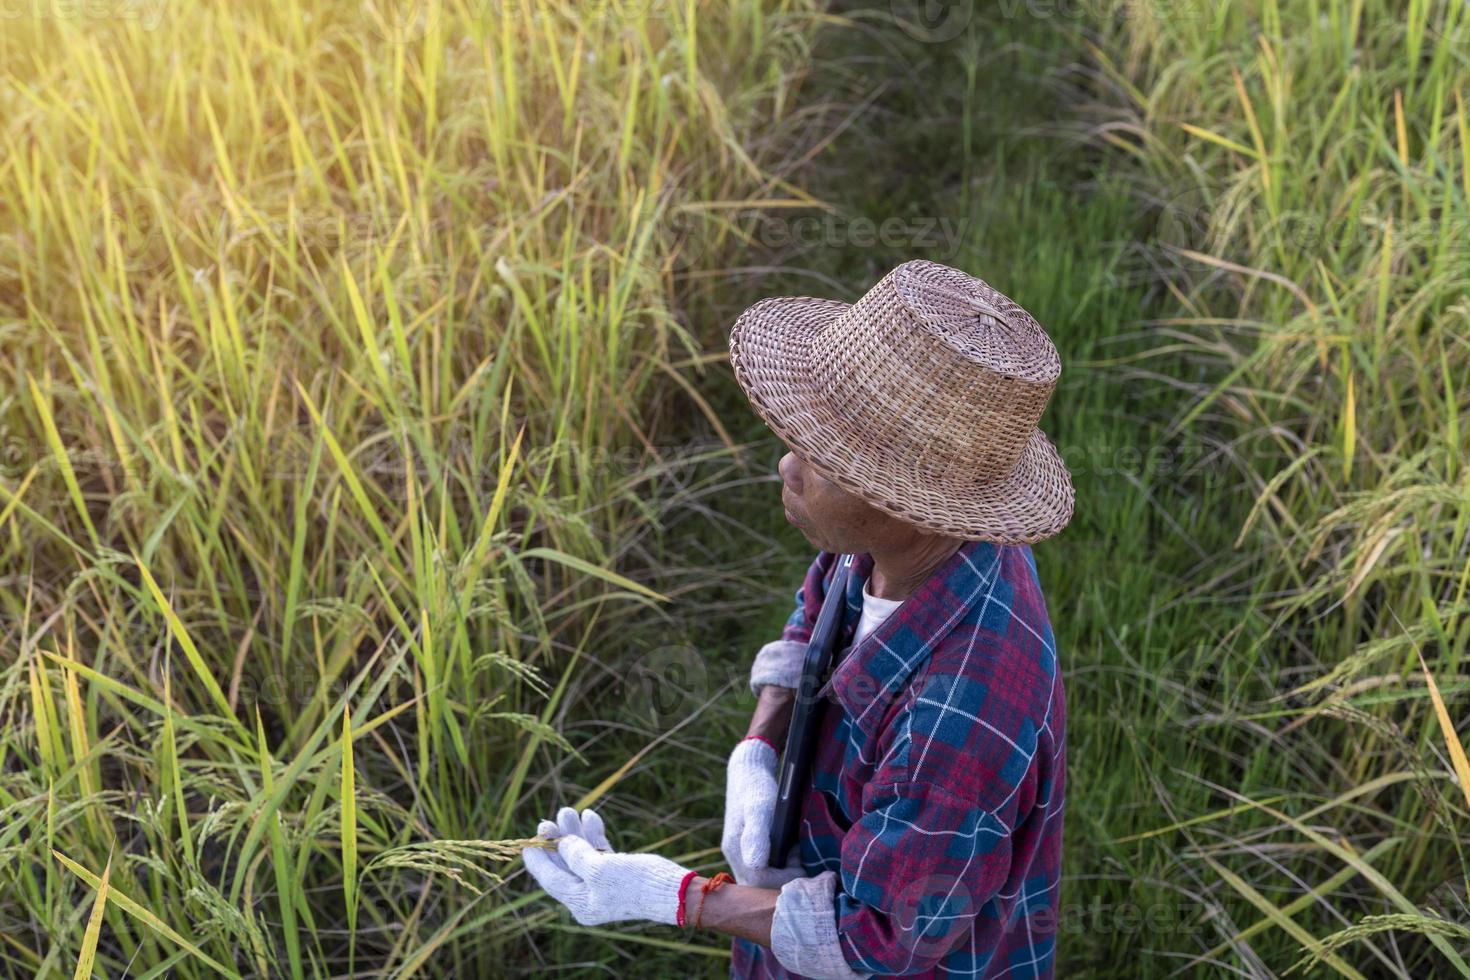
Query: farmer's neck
904,558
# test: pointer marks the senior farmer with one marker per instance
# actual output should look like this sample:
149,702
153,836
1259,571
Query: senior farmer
930,829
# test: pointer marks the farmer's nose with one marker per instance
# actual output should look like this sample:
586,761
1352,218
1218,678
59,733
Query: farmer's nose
790,473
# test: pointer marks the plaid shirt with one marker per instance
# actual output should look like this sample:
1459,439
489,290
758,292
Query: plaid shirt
937,788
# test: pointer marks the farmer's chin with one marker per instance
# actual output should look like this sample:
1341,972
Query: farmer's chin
818,540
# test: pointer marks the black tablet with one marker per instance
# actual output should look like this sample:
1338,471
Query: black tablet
806,716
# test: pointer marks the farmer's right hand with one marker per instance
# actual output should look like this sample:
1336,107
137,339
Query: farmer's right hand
750,804
599,885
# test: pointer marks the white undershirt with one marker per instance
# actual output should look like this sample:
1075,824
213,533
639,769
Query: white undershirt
875,610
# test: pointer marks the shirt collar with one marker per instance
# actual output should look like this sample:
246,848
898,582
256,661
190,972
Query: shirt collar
876,670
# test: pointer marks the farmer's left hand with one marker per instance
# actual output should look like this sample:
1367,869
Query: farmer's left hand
597,884
750,805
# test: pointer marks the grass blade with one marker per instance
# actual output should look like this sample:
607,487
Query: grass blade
94,926
349,826
1447,728
144,916
62,457
587,568
174,782
186,643
280,858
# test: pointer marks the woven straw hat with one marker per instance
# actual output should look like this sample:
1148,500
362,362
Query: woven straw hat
922,398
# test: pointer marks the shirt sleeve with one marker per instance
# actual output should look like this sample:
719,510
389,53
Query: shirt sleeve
804,930
778,663
917,868
809,596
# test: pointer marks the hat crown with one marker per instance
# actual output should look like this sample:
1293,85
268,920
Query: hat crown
976,320
947,374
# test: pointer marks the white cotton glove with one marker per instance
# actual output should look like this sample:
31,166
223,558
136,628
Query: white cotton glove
777,664
750,804
596,884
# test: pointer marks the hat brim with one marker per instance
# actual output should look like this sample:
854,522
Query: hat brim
770,351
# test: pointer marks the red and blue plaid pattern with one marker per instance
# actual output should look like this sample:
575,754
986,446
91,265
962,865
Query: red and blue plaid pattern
937,787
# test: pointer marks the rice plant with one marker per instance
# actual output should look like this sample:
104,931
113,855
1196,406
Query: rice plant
321,321
1308,167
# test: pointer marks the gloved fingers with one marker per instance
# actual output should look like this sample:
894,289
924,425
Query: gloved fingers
548,829
556,858
551,873
568,821
581,857
595,830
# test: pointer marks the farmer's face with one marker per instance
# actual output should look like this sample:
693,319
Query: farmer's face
831,518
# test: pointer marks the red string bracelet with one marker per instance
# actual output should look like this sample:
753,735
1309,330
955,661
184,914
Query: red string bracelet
723,878
683,886
762,738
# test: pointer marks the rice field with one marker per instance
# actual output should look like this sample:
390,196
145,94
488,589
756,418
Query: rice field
322,324
1314,169
363,431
